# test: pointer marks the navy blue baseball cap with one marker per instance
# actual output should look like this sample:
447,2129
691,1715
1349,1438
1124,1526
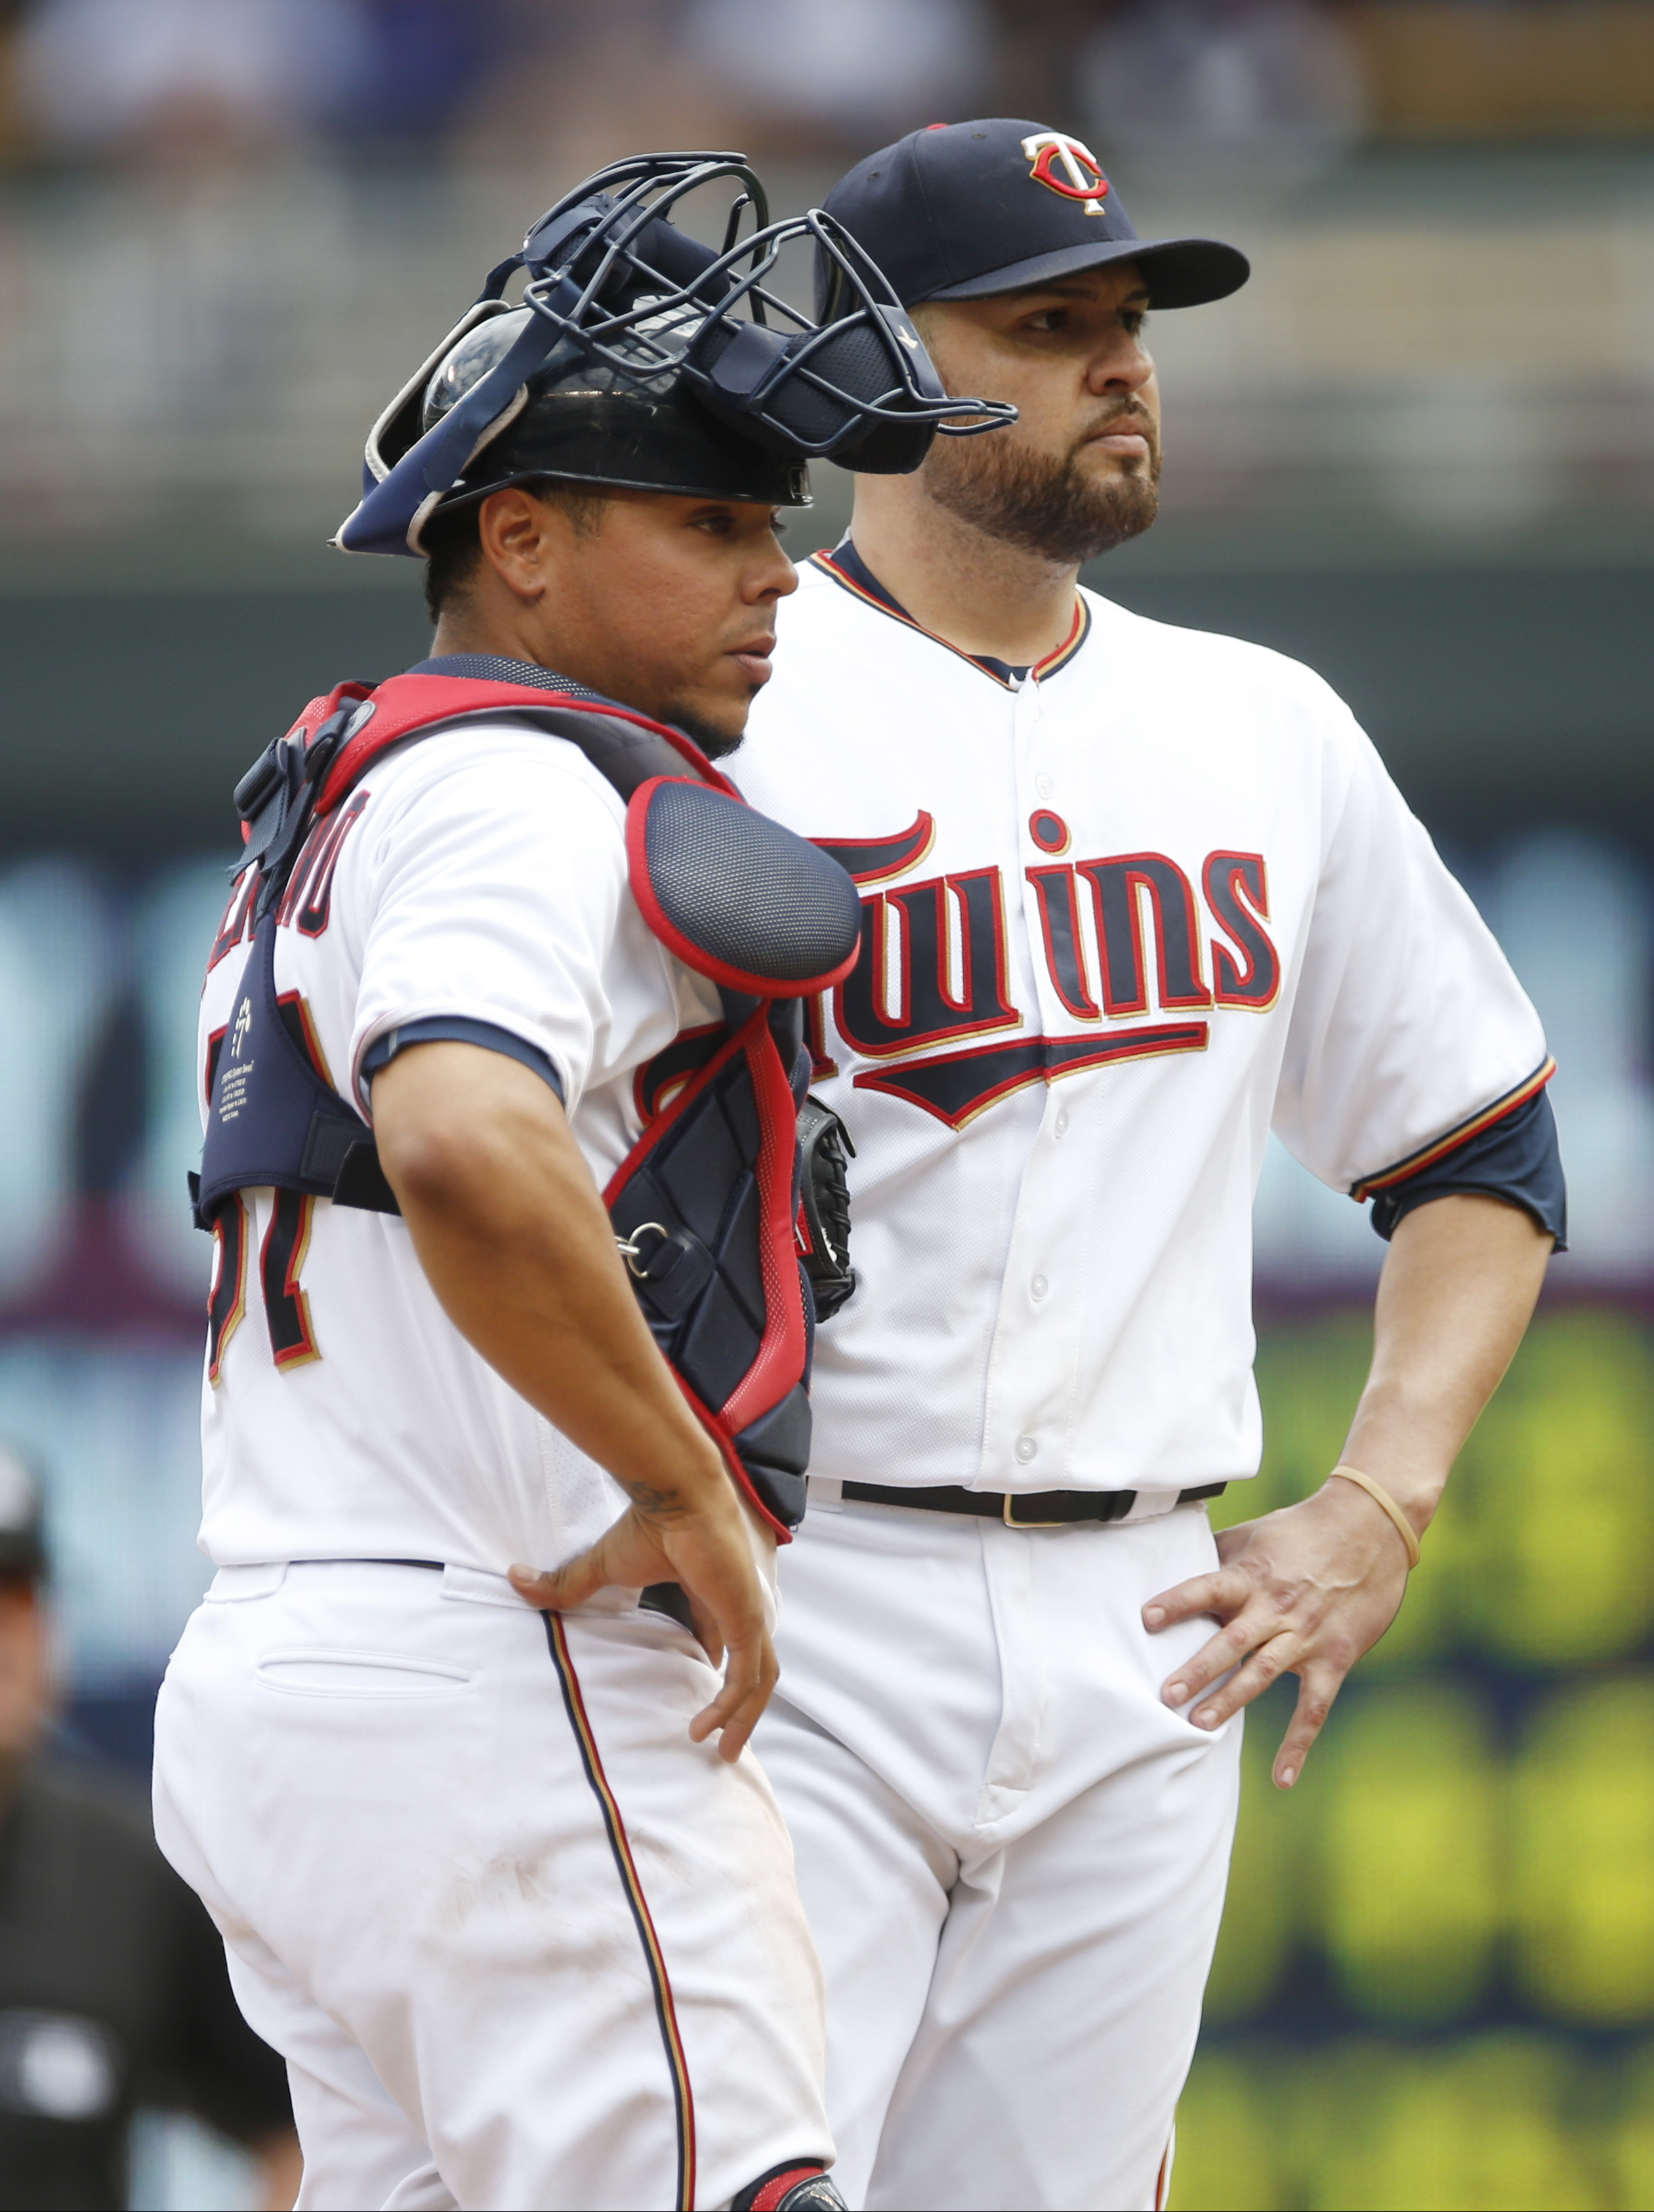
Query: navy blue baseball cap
964,210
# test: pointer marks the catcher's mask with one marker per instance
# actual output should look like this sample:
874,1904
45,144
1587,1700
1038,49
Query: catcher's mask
639,356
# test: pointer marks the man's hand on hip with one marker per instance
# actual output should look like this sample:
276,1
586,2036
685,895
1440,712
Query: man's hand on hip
1304,1591
512,1233
708,1550
1307,1590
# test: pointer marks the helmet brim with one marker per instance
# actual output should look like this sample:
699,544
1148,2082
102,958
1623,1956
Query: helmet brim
1181,272
634,441
614,440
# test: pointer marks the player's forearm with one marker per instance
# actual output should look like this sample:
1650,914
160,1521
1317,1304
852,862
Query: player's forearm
1458,1288
512,1236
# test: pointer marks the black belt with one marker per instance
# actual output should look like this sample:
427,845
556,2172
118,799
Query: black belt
1037,1508
671,1599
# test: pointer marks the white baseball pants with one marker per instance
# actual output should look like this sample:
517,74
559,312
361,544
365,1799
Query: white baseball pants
1013,1855
521,1943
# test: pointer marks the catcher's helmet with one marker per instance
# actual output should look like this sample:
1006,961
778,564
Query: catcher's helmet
639,357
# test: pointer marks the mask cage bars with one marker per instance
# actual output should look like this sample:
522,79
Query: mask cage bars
640,192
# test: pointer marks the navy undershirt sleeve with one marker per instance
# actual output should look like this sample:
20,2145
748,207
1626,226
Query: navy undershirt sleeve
1516,1158
454,1029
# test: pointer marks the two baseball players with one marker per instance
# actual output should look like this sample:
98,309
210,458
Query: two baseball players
1132,895
1128,896
506,939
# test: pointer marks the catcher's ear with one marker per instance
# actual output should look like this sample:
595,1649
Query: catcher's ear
512,527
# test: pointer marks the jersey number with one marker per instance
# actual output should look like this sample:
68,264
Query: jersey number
287,1310
227,1301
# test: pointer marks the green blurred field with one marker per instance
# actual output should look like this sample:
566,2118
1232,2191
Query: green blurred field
1435,1986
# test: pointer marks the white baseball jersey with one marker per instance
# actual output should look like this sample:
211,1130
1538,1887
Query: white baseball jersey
1120,918
477,873
521,1940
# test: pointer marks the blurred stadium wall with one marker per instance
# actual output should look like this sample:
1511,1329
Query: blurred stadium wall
1418,451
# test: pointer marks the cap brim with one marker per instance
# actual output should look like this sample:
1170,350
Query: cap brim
1182,272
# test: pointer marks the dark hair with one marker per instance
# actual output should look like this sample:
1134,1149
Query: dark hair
453,544
452,547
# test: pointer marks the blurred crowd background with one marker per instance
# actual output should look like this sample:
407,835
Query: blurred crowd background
1418,451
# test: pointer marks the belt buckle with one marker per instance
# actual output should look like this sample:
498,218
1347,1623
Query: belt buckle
1012,1521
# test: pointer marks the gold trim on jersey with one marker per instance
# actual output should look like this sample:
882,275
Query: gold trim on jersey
1080,631
1427,1157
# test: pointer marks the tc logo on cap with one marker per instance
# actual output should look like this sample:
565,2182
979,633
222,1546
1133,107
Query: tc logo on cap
1081,176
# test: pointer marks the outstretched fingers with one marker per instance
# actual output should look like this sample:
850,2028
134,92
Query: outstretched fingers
560,1589
627,1555
749,1680
1318,1684
710,1557
1258,1641
1232,1598
717,1571
1304,1591
1221,1593
1271,1656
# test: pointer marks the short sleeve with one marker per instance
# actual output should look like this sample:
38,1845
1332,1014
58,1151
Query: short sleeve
1510,1153
497,890
1406,1019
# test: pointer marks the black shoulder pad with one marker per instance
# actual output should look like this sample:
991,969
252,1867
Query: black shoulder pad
624,752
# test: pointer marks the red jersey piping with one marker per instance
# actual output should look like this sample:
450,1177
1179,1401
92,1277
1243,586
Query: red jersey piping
1427,1157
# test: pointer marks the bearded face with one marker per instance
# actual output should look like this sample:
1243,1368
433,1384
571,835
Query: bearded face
1078,472
1065,506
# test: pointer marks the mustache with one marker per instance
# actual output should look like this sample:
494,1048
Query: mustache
1130,415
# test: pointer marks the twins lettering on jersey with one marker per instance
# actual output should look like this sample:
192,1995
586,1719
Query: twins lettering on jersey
1121,935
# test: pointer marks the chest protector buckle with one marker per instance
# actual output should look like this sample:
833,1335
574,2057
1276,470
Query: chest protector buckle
706,1205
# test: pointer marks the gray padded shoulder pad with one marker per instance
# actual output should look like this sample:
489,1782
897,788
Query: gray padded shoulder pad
738,897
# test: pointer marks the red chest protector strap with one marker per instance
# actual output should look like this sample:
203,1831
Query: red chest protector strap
705,1206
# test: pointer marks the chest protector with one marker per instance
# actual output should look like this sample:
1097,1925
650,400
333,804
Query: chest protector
706,1206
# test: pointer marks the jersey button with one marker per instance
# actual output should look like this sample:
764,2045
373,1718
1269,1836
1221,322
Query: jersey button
1026,1448
1044,785
1039,1287
1062,1121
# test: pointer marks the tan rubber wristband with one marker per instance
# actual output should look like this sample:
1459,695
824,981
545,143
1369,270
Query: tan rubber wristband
1380,1496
